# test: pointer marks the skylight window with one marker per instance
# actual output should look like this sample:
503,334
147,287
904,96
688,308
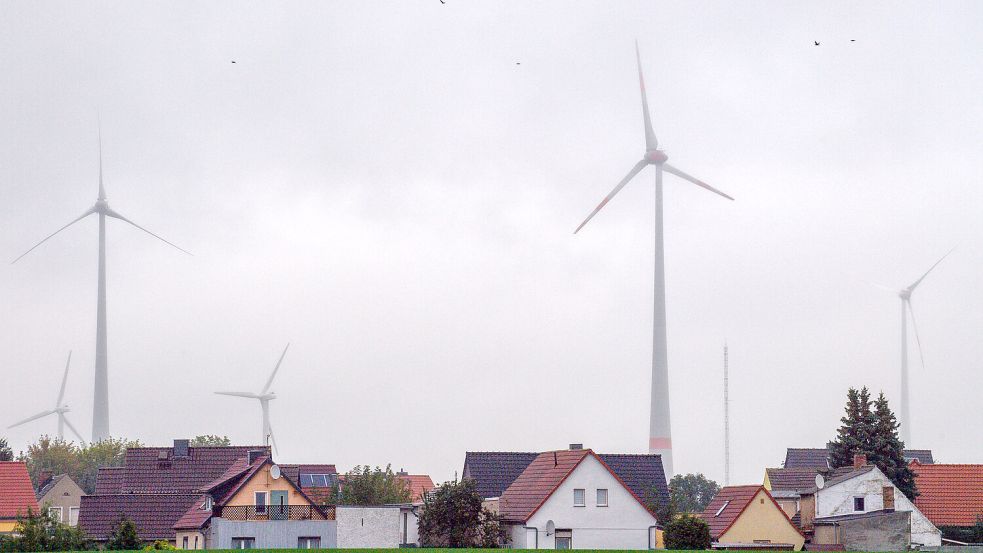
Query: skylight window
722,507
315,480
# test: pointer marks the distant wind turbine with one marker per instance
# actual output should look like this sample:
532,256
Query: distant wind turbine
264,397
60,409
100,404
905,295
660,436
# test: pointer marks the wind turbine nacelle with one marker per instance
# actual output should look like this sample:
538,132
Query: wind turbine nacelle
656,156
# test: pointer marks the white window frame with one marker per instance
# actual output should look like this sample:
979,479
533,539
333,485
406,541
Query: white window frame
184,542
243,540
261,508
73,516
307,542
606,497
583,497
61,513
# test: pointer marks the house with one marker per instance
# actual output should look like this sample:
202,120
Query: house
418,484
319,482
16,494
573,499
494,471
809,457
155,487
254,505
786,485
863,490
950,495
61,496
883,530
747,517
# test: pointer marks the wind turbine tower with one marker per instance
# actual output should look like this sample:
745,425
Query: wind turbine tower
726,421
264,396
906,309
100,404
60,409
660,435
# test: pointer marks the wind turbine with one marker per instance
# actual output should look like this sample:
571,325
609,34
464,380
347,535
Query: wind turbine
60,409
905,295
660,436
264,397
100,404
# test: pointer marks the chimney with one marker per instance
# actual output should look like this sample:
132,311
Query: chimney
807,510
888,495
181,448
44,478
859,460
575,447
402,472
254,454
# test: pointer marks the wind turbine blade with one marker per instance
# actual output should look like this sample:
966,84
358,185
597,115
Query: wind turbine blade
651,142
116,215
918,339
631,174
88,212
102,190
276,448
35,417
73,429
919,281
250,395
64,379
275,369
693,180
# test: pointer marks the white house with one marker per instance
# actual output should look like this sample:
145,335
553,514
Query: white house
866,489
571,499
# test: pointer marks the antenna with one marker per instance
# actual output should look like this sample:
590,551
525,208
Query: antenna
726,421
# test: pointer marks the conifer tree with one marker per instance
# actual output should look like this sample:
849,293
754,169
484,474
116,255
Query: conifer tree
874,433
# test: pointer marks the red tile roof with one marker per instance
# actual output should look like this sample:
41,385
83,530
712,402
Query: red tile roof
949,494
730,502
541,478
418,484
16,491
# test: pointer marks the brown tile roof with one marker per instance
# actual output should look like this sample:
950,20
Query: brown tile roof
153,514
16,491
817,457
109,480
792,479
730,502
949,494
418,484
195,517
293,472
156,470
494,471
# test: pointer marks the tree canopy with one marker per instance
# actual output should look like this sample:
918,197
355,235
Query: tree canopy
686,532
81,463
6,454
692,493
125,536
365,486
207,440
41,532
452,516
871,429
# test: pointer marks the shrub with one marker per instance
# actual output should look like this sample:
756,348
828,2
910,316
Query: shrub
687,532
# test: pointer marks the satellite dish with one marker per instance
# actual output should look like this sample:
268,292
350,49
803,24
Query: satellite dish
550,528
820,481
275,472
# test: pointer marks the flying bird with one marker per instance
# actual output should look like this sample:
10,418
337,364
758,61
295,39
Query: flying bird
816,42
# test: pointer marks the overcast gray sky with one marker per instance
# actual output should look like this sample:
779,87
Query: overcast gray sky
392,188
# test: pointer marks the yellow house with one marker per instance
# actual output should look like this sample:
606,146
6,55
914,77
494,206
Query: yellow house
16,494
747,517
254,501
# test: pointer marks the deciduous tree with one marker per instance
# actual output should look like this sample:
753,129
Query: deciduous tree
211,440
692,493
452,516
365,486
686,532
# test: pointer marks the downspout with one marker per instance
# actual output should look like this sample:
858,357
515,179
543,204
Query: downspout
537,534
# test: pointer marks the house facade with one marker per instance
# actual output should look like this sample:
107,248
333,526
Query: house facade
865,489
62,498
747,517
16,494
254,505
571,499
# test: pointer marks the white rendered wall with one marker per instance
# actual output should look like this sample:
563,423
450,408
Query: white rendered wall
623,524
362,527
838,500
